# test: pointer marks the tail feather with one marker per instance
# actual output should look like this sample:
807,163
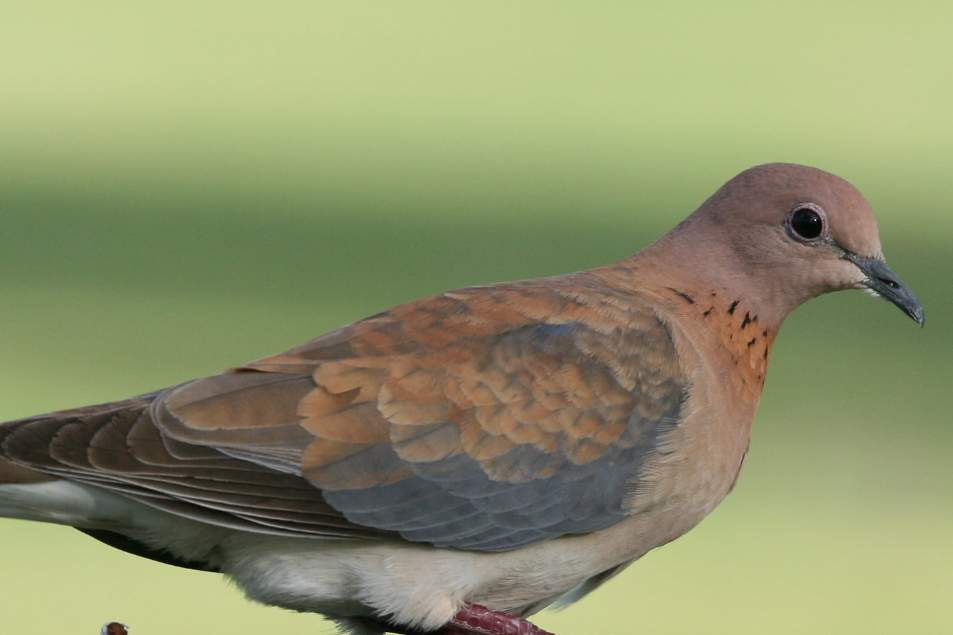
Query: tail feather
11,473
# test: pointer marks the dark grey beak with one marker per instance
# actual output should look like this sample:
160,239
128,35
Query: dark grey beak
882,280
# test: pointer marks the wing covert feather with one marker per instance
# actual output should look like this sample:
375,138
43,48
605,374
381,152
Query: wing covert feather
483,419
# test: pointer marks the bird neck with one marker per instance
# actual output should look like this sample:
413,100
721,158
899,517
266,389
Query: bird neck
694,262
702,282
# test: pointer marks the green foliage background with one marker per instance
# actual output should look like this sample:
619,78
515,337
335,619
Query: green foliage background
187,186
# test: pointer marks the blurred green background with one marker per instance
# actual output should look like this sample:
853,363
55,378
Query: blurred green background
187,186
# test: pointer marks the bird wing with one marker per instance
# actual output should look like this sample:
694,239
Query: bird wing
483,419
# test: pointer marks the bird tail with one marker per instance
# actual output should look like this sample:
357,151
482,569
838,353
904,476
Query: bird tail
13,474
22,489
29,492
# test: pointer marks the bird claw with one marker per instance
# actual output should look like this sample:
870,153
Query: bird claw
474,619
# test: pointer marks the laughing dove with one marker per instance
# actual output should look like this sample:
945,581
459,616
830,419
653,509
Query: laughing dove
460,462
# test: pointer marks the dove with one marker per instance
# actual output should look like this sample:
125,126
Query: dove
458,463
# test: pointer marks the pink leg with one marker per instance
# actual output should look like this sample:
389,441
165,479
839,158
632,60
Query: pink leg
474,619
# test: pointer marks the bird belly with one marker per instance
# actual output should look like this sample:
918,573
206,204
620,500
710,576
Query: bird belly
421,586
413,585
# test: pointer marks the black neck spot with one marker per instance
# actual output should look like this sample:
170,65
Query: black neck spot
682,295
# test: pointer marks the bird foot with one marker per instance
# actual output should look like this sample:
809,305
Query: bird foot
474,619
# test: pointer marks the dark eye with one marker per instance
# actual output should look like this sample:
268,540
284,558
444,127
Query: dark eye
807,223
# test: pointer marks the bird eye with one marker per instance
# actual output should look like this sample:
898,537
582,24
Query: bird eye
806,223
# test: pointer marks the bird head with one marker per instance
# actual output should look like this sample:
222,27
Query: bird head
791,232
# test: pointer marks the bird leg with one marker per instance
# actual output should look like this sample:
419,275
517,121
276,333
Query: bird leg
474,619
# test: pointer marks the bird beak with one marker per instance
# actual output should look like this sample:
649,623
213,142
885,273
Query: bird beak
884,282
